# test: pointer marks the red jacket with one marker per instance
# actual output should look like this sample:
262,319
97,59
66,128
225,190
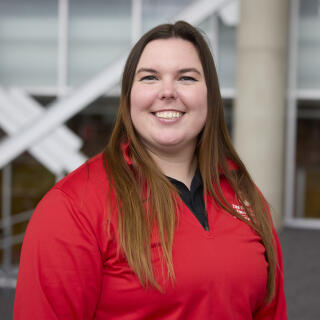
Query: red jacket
70,269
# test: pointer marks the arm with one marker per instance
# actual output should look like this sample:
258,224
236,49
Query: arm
60,270
276,310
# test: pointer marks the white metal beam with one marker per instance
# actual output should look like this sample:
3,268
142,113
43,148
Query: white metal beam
30,109
291,116
230,14
310,223
307,94
58,151
200,10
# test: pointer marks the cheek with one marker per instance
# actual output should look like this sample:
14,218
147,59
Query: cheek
196,100
134,101
141,98
200,98
202,119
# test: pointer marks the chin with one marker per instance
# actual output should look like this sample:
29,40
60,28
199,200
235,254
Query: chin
169,140
169,143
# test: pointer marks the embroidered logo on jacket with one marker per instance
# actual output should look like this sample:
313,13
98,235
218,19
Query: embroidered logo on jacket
241,210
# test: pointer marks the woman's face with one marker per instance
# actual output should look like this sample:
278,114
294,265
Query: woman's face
169,95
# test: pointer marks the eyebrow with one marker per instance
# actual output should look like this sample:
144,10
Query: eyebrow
146,70
184,70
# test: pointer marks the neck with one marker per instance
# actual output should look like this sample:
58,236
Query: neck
180,166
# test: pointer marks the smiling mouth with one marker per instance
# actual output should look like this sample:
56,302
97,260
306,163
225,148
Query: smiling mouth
169,115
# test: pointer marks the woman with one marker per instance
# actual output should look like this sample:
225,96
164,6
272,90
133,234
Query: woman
166,223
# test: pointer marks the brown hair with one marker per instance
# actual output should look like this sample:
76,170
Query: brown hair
137,216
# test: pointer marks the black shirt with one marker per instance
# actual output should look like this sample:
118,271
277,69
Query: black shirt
193,198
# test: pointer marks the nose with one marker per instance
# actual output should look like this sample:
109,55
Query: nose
167,90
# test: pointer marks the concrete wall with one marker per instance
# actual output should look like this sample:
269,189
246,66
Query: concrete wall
259,117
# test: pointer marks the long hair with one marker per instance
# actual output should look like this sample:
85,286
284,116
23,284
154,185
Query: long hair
146,200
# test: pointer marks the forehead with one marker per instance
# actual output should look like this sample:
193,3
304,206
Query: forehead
173,52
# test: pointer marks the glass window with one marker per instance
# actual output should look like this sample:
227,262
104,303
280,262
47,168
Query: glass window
30,181
224,52
94,124
309,45
210,28
155,12
29,40
99,33
308,160
226,55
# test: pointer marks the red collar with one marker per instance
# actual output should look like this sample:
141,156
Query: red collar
231,166
126,152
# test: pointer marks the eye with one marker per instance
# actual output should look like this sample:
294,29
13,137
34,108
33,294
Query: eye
148,78
187,78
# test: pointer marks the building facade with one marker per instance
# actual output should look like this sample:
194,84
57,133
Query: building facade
60,67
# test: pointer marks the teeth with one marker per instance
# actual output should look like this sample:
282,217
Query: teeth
168,114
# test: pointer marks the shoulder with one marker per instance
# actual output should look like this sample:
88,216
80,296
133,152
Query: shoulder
86,183
77,202
82,193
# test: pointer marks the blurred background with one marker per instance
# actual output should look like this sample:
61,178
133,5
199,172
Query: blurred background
60,69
